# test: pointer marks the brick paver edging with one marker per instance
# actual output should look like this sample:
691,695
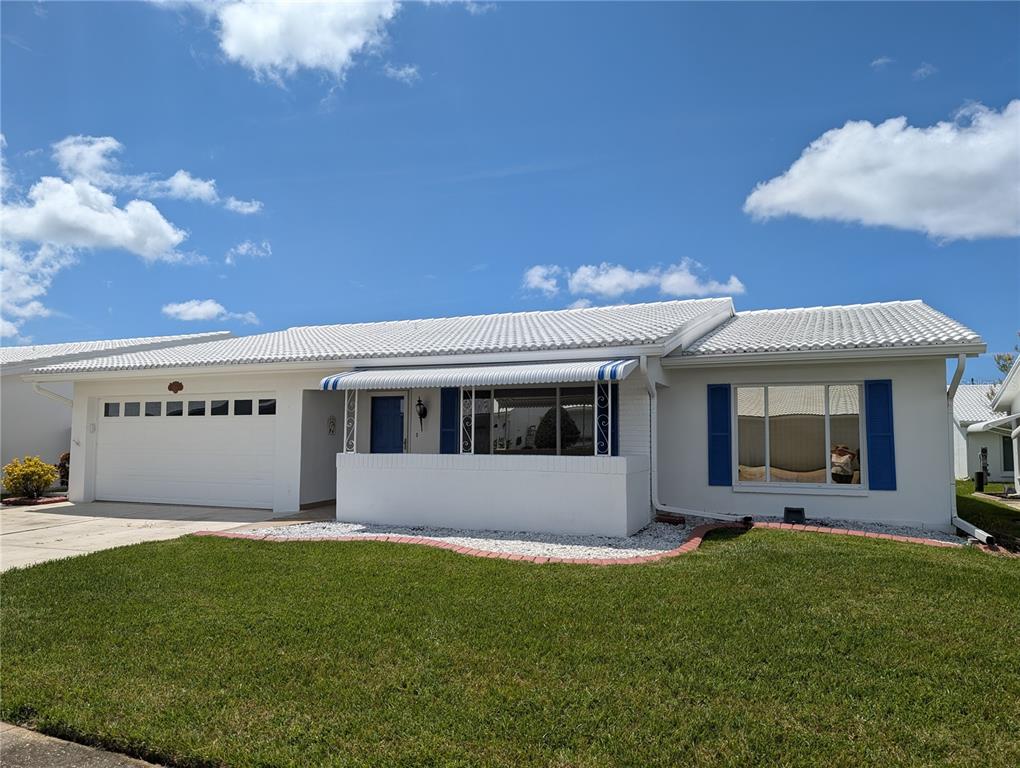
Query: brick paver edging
691,544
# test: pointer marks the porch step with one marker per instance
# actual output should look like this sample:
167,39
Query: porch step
670,518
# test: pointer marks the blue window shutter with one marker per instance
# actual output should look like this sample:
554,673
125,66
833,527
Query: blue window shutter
881,446
720,456
449,419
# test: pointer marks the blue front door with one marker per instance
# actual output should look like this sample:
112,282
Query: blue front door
387,425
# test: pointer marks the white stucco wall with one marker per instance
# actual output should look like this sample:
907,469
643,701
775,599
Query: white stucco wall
555,494
960,469
921,428
318,447
31,424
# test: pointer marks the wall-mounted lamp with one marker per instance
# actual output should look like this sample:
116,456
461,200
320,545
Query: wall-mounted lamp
422,410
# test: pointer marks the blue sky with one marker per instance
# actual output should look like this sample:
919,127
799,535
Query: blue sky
423,160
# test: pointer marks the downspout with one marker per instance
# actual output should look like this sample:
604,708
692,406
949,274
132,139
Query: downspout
52,395
653,418
963,525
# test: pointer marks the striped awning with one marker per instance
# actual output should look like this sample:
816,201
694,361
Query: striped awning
481,375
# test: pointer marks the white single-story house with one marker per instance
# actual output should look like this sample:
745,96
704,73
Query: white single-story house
973,405
36,420
1006,422
569,421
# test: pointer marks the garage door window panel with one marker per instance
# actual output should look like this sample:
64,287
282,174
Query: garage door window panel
267,407
174,408
196,407
132,409
242,407
219,408
111,409
154,408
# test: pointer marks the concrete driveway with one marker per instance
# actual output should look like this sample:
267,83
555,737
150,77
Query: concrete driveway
31,535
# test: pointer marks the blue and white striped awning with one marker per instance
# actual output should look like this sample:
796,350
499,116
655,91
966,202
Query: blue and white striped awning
482,375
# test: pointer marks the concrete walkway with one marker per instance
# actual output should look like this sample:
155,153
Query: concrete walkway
30,535
22,748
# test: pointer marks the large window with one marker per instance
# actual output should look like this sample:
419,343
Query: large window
523,421
530,421
799,434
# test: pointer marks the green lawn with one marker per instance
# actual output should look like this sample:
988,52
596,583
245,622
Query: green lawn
767,648
1000,520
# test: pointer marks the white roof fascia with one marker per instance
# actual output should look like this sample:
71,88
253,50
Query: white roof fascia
42,362
1010,384
825,355
225,369
700,326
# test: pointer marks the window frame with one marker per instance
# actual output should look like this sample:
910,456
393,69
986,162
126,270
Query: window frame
828,487
613,435
141,401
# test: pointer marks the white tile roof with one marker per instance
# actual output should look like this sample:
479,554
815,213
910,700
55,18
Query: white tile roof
41,354
858,326
595,327
971,404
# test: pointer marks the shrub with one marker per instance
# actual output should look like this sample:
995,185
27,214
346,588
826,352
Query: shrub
545,435
29,477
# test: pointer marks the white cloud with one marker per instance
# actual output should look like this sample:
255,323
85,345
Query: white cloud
610,281
77,214
250,250
542,277
681,280
478,9
9,329
613,280
24,280
924,71
952,180
90,158
244,207
580,304
5,179
275,40
881,62
206,309
44,231
183,186
407,74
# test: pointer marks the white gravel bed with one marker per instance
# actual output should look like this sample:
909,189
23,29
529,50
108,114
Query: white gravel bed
873,527
655,538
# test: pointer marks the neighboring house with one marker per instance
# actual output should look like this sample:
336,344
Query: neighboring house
37,422
580,420
973,405
1006,405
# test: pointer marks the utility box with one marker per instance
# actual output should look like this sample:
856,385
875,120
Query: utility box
794,515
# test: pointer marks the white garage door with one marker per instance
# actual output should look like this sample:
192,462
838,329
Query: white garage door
216,450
